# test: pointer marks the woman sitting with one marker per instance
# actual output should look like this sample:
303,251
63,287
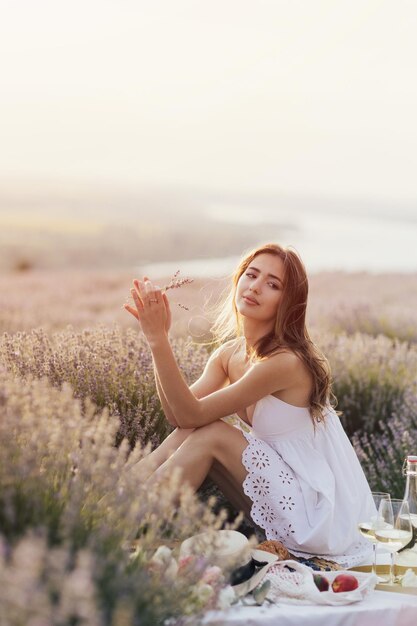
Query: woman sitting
291,467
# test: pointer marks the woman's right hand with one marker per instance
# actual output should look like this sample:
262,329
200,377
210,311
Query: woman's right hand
167,308
135,313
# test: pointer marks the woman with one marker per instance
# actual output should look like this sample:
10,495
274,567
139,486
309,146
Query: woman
295,472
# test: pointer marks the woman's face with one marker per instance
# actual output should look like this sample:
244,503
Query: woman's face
259,289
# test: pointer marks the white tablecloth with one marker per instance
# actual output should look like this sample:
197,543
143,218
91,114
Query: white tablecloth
380,608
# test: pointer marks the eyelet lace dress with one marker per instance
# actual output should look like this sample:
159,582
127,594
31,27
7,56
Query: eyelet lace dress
306,484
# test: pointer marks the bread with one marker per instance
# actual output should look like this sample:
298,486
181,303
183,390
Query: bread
315,562
275,547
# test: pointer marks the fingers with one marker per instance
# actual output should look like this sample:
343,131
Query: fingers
141,289
148,288
154,294
144,290
137,285
137,300
144,293
131,310
150,293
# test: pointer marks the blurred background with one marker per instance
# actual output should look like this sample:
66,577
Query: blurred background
175,134
137,131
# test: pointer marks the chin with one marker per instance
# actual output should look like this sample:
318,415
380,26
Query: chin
247,310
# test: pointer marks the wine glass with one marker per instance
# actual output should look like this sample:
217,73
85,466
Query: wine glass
367,528
394,529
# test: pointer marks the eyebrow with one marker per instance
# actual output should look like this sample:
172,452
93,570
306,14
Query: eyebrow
271,275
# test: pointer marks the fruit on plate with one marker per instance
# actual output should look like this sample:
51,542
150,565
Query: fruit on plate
344,582
321,582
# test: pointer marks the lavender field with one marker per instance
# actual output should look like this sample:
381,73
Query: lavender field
78,408
154,137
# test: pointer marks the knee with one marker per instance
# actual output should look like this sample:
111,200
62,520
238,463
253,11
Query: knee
211,435
183,432
178,436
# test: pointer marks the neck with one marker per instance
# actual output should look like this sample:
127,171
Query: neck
253,331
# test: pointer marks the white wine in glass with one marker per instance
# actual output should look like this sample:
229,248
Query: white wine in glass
393,539
368,526
396,530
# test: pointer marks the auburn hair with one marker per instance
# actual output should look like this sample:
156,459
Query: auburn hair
289,332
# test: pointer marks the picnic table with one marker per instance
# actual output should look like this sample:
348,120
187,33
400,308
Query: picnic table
396,607
380,608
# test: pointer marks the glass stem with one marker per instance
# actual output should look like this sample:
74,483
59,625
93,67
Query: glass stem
391,570
374,560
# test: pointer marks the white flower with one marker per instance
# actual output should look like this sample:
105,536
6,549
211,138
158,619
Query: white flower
226,598
211,575
204,592
171,570
162,556
409,579
163,560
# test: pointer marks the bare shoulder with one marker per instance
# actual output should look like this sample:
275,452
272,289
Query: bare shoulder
224,349
225,352
294,377
283,360
229,347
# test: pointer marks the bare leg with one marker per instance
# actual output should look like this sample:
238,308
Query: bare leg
146,466
195,457
231,490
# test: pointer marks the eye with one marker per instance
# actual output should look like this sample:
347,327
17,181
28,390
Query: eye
274,285
250,275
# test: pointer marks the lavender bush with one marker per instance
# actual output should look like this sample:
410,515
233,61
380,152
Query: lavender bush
110,367
72,505
42,585
382,455
372,376
395,323
113,369
371,304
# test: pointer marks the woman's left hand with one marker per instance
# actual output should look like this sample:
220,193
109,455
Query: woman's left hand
150,309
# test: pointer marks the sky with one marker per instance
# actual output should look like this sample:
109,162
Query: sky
292,96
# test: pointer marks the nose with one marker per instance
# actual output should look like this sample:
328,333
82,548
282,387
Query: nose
254,287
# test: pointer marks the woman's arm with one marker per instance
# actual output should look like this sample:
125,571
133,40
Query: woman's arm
263,378
276,373
164,402
165,406
214,377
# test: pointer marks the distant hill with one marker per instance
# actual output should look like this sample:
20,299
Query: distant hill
64,227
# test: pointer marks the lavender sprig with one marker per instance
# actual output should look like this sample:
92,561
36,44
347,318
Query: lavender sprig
176,283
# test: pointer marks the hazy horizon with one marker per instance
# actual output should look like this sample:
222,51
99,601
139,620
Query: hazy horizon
114,228
140,132
264,96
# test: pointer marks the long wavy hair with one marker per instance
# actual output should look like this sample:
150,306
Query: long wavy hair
289,332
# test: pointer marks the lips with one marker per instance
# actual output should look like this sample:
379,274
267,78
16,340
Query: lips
250,300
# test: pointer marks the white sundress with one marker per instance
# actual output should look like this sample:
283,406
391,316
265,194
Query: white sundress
306,484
